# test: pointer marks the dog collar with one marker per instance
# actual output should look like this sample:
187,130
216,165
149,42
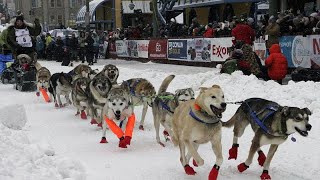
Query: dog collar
194,116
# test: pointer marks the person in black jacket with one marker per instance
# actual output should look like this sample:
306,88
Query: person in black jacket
89,48
59,49
74,45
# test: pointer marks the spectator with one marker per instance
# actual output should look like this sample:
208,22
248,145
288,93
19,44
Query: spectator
272,33
250,57
59,49
243,32
74,44
231,63
96,46
277,64
82,51
89,48
210,32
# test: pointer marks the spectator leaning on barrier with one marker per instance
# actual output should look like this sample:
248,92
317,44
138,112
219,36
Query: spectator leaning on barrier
272,33
277,64
210,32
249,57
243,32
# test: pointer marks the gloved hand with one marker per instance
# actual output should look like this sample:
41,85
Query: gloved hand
127,140
122,143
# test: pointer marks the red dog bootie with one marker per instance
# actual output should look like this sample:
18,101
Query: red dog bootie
261,158
214,172
265,175
127,140
122,143
93,121
103,140
38,93
233,152
242,167
141,127
83,115
189,170
194,163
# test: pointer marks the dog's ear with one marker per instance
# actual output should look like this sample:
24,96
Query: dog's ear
285,110
177,92
203,89
216,86
307,111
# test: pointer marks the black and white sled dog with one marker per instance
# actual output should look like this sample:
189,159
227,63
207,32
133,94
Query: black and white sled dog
60,84
43,77
271,123
111,72
165,104
80,95
82,70
117,108
97,91
141,92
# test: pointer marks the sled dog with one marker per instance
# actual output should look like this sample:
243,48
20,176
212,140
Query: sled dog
271,123
60,84
111,72
81,70
197,122
79,95
43,77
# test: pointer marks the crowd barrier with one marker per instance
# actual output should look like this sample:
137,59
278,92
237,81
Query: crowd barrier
300,51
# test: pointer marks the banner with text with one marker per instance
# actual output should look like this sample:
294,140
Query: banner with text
122,48
112,49
219,50
261,50
158,49
199,49
315,51
177,49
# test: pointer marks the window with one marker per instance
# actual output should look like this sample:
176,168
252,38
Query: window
34,3
51,3
52,19
72,3
60,19
59,3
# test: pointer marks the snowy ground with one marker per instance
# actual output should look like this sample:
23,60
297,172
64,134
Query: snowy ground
54,144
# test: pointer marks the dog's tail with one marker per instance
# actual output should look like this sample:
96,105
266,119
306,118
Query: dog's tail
165,83
229,123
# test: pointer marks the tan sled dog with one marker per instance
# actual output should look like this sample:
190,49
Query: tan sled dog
197,122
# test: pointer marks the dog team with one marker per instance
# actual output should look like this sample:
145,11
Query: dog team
188,120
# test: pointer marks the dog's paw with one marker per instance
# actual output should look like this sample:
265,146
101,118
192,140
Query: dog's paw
194,163
214,173
103,140
38,94
77,113
56,105
265,175
100,125
199,162
122,143
141,127
83,115
242,167
233,152
189,170
93,121
261,158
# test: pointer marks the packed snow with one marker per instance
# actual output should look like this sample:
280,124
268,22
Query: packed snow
39,141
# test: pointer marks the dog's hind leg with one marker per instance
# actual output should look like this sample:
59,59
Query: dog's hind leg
272,150
156,122
196,146
239,127
217,149
192,150
144,113
183,159
253,149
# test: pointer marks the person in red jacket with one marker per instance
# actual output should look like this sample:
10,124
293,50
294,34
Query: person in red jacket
209,33
277,64
243,32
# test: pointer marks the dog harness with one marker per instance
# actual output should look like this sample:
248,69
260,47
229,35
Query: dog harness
117,130
271,109
194,116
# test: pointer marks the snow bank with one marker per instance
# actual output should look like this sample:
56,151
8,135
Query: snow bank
13,116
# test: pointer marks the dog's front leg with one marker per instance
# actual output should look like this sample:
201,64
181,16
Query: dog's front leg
156,122
68,99
59,100
144,112
196,146
272,150
193,151
217,149
38,89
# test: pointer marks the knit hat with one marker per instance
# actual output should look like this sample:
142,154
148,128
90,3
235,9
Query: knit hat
19,18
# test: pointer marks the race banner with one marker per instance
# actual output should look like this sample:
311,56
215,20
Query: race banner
143,46
315,51
122,48
261,50
133,48
219,48
158,49
111,47
297,50
199,49
177,49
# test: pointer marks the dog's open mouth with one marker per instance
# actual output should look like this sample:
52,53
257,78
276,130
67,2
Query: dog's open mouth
112,75
118,116
102,88
302,133
218,112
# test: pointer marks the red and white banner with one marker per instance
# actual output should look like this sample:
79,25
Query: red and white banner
219,48
158,49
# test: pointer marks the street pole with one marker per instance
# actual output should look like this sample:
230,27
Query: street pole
154,18
87,17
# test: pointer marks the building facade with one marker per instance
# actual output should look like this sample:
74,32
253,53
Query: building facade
52,13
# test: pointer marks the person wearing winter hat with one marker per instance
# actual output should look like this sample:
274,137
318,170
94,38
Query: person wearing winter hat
231,63
277,64
21,36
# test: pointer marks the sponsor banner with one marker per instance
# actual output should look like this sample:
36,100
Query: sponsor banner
177,49
261,50
315,51
297,50
158,49
133,48
111,48
199,49
143,46
219,48
122,48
